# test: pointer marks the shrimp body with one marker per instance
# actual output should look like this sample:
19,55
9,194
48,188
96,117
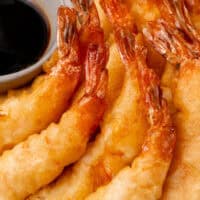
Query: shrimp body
37,161
145,178
31,110
179,43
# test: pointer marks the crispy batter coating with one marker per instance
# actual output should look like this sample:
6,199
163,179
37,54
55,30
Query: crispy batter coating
30,110
142,181
37,161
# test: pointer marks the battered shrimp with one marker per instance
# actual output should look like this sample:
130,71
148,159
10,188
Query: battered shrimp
145,178
120,140
179,43
41,158
28,111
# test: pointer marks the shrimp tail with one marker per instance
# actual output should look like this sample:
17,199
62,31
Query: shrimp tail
157,110
85,10
67,39
95,71
88,19
173,35
149,81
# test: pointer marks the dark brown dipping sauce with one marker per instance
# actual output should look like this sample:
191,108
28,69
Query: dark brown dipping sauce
24,35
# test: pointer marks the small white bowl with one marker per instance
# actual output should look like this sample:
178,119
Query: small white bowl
17,79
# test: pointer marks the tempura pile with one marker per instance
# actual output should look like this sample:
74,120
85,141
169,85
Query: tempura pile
115,114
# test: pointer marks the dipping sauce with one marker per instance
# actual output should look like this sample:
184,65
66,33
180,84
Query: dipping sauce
24,35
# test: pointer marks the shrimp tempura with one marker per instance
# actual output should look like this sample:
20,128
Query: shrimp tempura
145,178
41,158
29,111
180,44
120,140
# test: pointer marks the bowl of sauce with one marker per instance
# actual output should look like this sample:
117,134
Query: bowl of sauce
27,39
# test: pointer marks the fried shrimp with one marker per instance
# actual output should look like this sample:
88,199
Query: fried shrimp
37,161
120,140
31,110
174,36
145,178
